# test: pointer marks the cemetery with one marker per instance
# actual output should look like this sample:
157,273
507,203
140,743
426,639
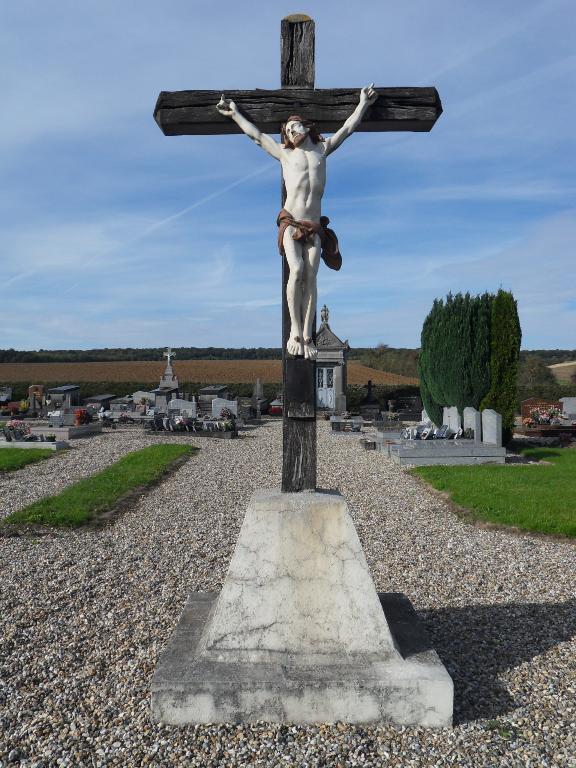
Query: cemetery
329,577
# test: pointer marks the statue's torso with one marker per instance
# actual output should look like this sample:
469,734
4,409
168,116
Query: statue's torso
304,171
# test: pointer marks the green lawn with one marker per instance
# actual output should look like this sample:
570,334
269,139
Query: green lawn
89,498
534,497
15,458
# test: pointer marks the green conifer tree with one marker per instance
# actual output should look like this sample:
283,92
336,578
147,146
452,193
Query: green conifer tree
504,360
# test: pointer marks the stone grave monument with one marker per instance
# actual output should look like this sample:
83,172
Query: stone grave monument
298,632
331,367
369,408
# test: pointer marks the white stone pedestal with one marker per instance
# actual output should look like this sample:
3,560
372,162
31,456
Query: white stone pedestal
298,632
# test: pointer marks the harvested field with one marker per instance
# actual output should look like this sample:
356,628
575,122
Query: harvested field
206,371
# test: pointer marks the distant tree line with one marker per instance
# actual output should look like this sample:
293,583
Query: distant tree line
399,360
134,354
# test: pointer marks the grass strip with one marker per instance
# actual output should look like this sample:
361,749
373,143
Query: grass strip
540,498
89,498
16,458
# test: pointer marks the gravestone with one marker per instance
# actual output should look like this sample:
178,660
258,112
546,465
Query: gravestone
569,406
473,421
185,408
219,403
492,427
162,396
451,417
169,379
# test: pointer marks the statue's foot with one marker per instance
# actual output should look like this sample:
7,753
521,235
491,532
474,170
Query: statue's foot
310,350
294,346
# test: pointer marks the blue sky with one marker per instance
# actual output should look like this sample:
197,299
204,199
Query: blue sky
115,235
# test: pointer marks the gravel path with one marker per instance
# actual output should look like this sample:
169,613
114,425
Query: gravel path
85,615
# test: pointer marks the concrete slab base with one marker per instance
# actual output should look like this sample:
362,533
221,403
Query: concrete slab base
441,452
298,633
31,444
412,689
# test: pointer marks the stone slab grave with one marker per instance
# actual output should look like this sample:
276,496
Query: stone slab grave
184,408
68,432
219,403
484,448
57,445
298,633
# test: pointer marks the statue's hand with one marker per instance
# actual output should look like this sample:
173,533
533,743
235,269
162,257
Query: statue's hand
225,107
368,94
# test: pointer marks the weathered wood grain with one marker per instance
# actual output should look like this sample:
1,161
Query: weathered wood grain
396,109
297,35
299,455
298,375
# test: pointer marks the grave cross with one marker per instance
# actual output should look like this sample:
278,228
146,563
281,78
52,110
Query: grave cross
169,354
396,109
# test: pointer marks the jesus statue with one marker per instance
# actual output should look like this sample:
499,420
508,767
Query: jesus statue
303,235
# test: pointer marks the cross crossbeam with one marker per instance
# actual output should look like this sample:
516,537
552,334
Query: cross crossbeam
192,113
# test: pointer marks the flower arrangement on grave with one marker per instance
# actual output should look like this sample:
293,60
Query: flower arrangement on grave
23,406
18,428
226,413
51,438
542,416
81,416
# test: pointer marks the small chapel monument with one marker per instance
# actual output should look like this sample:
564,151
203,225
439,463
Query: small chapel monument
298,632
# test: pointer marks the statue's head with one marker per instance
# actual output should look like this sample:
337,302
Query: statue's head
296,129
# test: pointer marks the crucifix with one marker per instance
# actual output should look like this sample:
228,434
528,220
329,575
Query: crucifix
169,355
300,113
298,632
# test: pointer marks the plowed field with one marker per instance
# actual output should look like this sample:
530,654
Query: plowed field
205,371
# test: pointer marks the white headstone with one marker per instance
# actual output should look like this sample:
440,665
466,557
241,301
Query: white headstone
142,395
473,421
451,417
218,403
492,427
568,406
186,408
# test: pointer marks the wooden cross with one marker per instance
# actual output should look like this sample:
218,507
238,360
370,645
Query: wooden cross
194,113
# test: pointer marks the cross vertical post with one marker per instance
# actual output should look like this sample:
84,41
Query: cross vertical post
298,374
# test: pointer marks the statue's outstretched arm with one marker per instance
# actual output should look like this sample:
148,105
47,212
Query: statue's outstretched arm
267,143
367,97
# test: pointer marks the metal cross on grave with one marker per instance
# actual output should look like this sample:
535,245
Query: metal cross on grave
396,109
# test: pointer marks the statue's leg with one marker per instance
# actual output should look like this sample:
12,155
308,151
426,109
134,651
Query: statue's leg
294,257
309,294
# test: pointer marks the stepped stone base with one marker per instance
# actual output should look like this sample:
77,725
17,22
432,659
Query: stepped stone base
298,633
412,690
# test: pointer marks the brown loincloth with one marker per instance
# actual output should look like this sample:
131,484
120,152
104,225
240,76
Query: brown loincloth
304,230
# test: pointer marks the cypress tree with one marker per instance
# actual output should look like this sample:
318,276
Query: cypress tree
480,350
470,354
504,360
430,362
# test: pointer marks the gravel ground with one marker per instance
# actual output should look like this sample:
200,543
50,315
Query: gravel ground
85,614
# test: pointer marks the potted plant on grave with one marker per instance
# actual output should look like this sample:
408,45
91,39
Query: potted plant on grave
51,438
